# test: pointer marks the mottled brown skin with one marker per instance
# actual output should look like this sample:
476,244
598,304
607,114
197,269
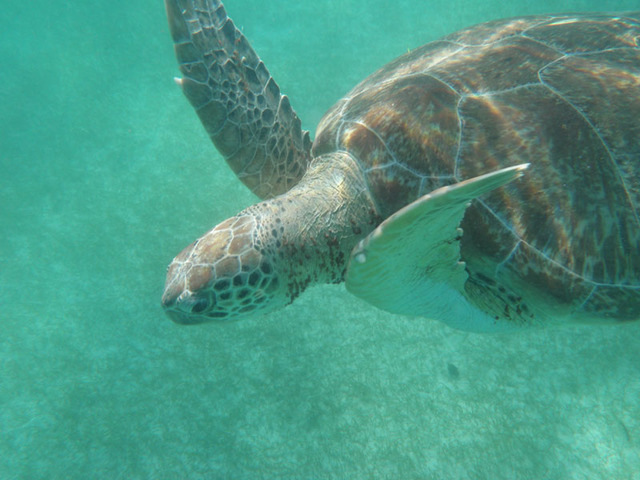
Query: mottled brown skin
559,92
261,260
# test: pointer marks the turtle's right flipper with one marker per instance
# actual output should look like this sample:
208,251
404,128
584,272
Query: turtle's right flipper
240,105
410,264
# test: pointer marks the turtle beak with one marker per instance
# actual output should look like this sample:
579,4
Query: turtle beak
181,305
185,296
170,295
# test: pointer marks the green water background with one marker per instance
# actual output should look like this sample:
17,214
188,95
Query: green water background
105,174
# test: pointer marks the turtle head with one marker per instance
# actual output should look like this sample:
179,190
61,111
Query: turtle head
222,276
264,257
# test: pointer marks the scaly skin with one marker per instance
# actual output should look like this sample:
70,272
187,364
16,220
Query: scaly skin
264,257
240,105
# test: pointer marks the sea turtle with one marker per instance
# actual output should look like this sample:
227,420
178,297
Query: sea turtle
410,191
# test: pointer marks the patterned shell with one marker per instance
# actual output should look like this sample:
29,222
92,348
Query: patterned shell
560,92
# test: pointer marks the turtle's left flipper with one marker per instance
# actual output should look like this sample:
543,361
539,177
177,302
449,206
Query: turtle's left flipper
240,105
410,264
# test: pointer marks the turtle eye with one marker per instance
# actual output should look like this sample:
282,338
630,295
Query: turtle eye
200,306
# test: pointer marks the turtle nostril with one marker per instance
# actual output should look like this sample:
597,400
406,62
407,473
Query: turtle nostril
171,295
168,301
200,306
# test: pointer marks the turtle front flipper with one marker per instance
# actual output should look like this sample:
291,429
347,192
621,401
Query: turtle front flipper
240,105
410,264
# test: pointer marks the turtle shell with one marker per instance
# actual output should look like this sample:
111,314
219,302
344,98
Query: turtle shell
560,92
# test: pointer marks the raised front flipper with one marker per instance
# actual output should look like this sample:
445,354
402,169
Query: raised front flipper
410,264
251,124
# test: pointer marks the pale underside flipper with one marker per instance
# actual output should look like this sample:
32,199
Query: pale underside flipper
410,264
251,124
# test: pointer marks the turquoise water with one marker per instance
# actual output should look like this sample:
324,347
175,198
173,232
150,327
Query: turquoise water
106,174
